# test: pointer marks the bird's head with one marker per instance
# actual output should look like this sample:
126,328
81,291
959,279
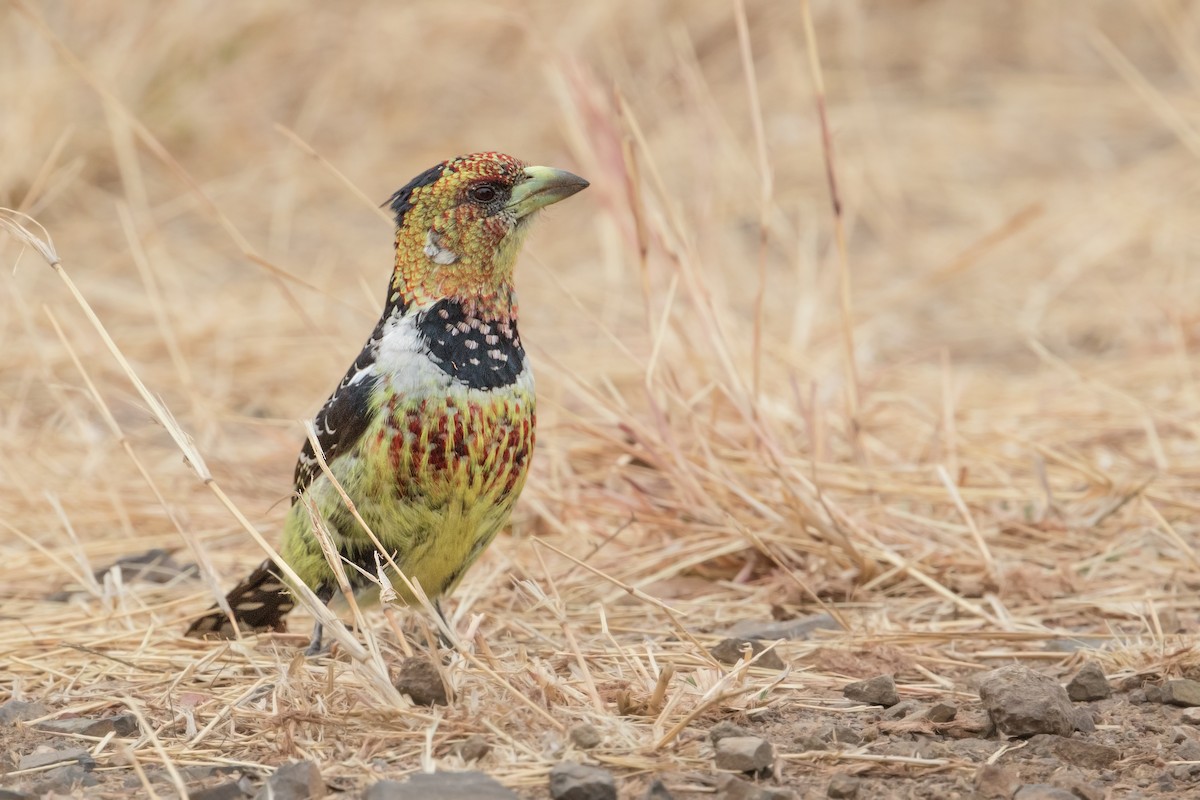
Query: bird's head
460,224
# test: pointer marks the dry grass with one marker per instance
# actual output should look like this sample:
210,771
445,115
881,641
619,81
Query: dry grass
1013,459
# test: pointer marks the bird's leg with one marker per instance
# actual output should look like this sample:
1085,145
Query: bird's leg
324,594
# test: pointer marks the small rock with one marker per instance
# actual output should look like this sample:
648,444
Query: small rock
1188,751
1154,694
770,630
443,786
1021,702
473,748
584,736
877,691
1191,716
996,782
295,781
722,729
744,754
657,791
902,709
230,790
13,794
15,711
1138,697
1084,723
66,779
729,651
1043,791
122,724
843,786
1181,692
841,734
941,712
43,758
571,781
420,680
1089,684
1089,755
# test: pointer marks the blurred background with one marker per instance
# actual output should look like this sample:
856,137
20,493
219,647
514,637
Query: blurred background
1018,185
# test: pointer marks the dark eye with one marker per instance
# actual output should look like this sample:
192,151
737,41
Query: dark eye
483,193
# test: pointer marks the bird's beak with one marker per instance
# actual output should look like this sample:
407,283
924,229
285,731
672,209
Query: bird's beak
543,186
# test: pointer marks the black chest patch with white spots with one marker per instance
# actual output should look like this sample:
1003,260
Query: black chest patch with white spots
482,354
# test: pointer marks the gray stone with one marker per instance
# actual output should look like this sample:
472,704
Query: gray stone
941,712
473,748
744,754
1089,684
571,781
1043,791
657,791
13,794
584,736
841,734
1084,723
996,782
729,651
904,708
442,786
419,679
722,729
1188,751
877,691
15,711
1181,692
1021,702
45,758
1082,753
295,781
122,725
66,779
1154,694
770,630
1191,716
843,786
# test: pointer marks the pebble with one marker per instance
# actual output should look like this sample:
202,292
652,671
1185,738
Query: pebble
571,781
15,711
443,786
843,786
722,729
1191,716
1084,722
1181,692
584,736
419,679
43,757
1188,751
1082,753
1089,684
730,651
657,791
941,712
122,725
744,754
1022,702
902,709
473,748
297,780
770,630
877,691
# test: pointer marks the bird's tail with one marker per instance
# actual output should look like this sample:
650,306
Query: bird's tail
260,603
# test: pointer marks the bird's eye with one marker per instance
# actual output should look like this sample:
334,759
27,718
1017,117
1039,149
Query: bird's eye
483,193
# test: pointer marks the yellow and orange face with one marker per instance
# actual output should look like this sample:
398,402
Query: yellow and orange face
460,225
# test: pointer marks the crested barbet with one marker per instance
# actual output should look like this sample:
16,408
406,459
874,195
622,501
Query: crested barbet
430,433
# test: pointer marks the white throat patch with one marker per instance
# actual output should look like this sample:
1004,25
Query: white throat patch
436,252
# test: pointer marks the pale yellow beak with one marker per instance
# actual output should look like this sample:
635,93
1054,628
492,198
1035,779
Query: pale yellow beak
543,186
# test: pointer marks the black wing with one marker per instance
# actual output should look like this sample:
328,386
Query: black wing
344,417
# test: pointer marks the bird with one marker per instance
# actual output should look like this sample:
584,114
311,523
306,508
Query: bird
431,431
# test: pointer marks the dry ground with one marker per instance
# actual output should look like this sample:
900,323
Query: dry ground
1008,468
